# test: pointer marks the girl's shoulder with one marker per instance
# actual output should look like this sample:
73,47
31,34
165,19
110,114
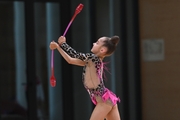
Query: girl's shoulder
90,55
93,57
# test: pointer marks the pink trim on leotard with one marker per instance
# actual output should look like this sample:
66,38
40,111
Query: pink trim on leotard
108,95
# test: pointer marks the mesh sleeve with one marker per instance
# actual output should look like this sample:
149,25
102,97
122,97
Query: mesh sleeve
75,54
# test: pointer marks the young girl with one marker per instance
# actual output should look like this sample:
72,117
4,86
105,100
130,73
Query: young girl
92,76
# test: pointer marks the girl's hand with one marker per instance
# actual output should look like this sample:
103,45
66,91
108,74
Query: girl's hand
53,45
61,40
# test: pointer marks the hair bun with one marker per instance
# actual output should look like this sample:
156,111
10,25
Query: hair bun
115,39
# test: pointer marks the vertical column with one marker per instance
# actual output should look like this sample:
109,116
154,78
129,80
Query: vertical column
19,34
133,59
111,33
53,32
30,60
118,73
40,48
121,58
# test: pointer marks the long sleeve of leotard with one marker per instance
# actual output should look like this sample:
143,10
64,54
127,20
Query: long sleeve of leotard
74,54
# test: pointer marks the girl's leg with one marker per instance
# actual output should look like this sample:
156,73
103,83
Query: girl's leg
100,111
113,114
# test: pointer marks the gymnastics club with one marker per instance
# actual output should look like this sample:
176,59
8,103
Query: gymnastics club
53,79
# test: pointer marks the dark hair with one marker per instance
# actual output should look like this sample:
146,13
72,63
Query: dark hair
111,44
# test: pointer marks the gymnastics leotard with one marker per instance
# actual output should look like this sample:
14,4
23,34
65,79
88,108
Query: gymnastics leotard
92,75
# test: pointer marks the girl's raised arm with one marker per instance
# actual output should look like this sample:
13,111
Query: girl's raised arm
69,59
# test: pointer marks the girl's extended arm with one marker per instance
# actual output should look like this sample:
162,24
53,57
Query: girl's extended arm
68,58
72,52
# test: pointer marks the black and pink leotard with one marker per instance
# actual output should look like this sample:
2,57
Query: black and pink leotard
92,75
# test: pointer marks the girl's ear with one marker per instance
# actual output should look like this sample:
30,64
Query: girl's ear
103,50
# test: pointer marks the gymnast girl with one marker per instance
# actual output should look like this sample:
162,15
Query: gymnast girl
105,100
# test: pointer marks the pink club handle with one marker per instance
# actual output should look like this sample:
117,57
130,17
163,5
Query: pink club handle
77,11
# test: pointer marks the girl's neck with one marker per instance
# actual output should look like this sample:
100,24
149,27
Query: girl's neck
101,57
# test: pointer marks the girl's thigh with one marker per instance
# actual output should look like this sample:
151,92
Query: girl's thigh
100,111
113,114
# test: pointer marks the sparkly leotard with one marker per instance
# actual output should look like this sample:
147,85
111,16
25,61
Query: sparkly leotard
92,75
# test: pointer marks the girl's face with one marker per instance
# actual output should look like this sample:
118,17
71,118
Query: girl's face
97,46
